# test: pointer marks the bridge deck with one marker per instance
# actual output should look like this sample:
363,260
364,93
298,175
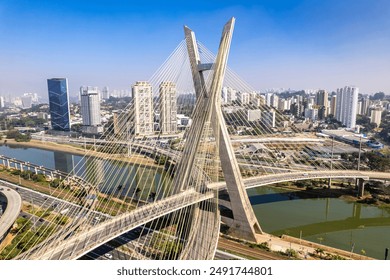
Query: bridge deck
81,243
263,180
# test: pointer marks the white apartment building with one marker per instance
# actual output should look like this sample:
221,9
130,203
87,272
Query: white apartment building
243,97
269,118
90,109
228,95
143,108
90,105
168,107
376,115
346,105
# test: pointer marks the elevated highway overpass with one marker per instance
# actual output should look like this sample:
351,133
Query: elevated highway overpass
271,179
81,243
11,212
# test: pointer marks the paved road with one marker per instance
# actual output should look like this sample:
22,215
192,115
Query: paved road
12,211
79,244
263,180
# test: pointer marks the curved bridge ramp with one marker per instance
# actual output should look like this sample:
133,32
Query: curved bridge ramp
81,243
203,239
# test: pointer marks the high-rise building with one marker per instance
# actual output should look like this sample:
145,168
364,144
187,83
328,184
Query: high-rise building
106,93
268,97
346,106
26,101
262,100
143,108
2,103
274,101
376,115
228,95
311,100
90,110
284,104
59,103
168,107
269,118
333,102
360,107
322,103
253,96
312,113
366,102
34,97
243,97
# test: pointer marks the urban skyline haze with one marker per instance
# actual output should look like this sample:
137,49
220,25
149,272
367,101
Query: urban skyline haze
277,44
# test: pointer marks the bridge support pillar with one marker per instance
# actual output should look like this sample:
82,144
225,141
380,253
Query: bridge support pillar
360,186
208,112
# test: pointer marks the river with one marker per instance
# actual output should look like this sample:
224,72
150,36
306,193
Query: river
329,221
96,171
334,222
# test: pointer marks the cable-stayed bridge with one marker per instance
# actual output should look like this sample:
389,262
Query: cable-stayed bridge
132,180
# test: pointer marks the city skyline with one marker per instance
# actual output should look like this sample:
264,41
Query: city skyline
288,44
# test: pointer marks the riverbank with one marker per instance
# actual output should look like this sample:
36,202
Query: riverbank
75,150
306,249
285,247
346,194
50,146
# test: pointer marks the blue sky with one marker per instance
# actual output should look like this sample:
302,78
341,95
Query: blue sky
290,44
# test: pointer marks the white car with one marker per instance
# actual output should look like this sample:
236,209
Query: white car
108,256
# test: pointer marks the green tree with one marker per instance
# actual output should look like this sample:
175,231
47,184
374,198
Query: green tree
160,159
378,96
378,162
56,183
319,251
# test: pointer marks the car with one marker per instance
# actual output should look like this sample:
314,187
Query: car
108,256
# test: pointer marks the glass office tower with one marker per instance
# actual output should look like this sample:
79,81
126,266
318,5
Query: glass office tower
59,103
